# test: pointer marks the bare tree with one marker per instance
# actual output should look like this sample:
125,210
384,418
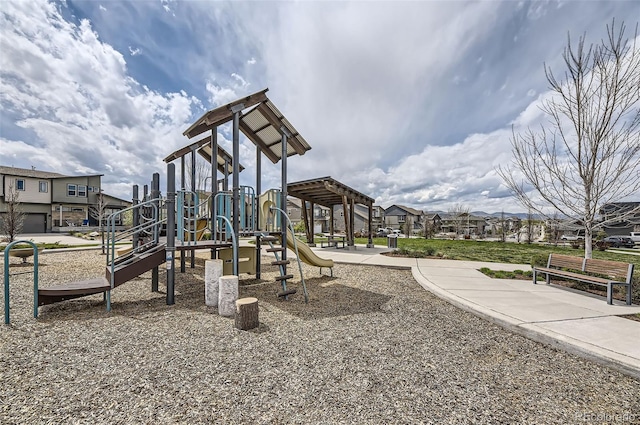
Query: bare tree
408,226
530,227
458,214
202,175
98,212
589,155
428,228
12,220
503,227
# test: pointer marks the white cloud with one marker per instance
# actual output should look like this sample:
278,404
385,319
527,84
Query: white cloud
87,114
252,61
104,9
134,52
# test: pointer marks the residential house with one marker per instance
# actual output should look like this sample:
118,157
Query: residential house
434,221
51,201
465,223
621,218
360,218
397,216
320,215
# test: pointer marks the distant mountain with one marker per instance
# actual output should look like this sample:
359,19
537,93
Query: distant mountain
520,215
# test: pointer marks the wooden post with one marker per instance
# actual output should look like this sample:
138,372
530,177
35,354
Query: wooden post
246,314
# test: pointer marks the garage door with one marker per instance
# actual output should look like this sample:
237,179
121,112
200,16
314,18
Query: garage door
34,223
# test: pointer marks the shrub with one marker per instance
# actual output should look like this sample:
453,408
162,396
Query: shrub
539,260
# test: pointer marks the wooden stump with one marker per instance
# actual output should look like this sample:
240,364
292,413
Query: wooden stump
247,314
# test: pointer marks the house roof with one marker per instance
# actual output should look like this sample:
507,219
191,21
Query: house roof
37,174
411,211
263,124
111,197
326,191
203,146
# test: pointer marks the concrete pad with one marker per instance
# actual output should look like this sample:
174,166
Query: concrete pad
450,272
472,283
530,309
606,335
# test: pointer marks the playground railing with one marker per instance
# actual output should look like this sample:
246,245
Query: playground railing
6,278
247,208
189,212
147,232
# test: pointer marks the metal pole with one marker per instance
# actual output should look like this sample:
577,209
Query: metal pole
258,193
283,200
155,195
136,216
214,185
171,232
194,216
235,199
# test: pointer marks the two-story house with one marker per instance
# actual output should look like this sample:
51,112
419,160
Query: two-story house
397,217
360,218
52,201
464,224
320,215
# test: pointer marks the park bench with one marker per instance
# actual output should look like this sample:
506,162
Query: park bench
334,241
588,270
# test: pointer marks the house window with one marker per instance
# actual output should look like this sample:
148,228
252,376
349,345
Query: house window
95,189
77,209
71,190
20,184
82,191
402,218
43,187
90,189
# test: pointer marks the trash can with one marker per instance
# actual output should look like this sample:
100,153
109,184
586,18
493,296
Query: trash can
392,241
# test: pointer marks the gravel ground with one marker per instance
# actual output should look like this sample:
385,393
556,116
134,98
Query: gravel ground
371,347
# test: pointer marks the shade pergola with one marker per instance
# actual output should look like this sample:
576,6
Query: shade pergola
263,124
328,192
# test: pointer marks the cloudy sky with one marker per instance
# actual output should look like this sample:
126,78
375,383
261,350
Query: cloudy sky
409,102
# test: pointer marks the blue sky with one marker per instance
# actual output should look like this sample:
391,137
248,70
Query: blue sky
409,102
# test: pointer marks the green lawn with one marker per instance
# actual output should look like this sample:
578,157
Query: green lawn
502,252
495,252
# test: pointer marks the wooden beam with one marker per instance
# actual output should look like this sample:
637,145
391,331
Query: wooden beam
345,213
276,121
256,140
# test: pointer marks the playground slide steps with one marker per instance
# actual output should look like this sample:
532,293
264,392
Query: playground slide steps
69,291
134,266
140,263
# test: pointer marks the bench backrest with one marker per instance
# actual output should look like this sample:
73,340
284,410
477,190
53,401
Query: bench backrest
565,262
612,269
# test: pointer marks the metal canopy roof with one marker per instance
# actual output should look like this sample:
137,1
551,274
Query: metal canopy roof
326,191
204,149
264,125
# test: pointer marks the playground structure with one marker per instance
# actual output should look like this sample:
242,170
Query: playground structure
227,212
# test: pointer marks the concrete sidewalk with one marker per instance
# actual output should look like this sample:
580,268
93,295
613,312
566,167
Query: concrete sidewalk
573,321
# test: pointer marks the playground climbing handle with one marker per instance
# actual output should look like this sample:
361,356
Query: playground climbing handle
6,278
